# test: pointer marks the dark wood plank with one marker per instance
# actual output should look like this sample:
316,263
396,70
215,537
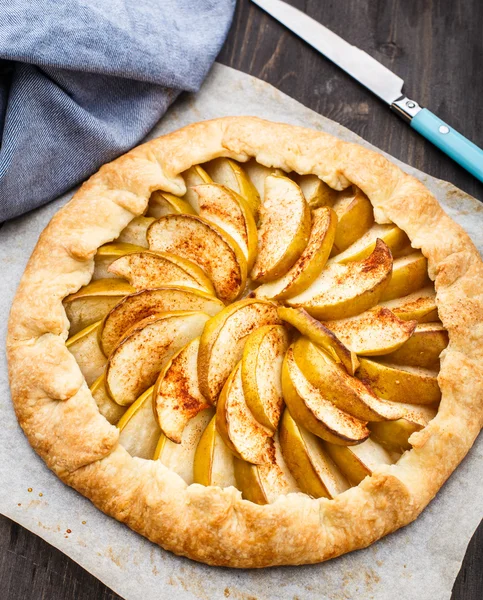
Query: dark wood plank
31,568
469,583
437,47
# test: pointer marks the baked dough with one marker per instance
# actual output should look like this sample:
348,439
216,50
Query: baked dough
60,418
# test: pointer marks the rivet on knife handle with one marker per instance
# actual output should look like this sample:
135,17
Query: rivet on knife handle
406,108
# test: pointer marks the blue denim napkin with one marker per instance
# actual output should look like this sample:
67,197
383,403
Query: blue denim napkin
82,81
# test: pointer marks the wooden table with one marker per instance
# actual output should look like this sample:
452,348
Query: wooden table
437,47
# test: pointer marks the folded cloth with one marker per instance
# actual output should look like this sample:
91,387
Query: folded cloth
82,81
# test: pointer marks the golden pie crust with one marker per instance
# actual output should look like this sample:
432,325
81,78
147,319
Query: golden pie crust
60,418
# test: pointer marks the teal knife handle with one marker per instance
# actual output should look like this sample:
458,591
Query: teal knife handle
452,143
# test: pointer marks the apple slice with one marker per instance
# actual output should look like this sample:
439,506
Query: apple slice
312,468
345,290
404,251
355,216
284,229
206,245
397,383
394,435
107,407
135,232
181,458
423,348
164,203
195,175
311,409
140,305
409,273
213,462
311,262
346,392
107,254
139,430
93,301
147,270
320,335
177,396
315,191
263,484
391,235
223,339
145,349
230,174
257,174
231,213
419,306
85,348
239,429
359,462
374,332
262,371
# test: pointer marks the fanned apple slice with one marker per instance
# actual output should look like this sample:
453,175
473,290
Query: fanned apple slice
213,462
262,373
145,303
409,273
85,348
404,251
348,393
420,306
423,348
164,203
147,270
107,407
285,223
391,235
257,174
107,254
345,290
311,262
180,458
135,232
206,245
397,383
93,301
195,175
311,409
145,349
312,468
355,216
263,484
223,339
394,435
315,191
230,174
229,211
359,462
320,335
139,430
241,432
177,396
374,332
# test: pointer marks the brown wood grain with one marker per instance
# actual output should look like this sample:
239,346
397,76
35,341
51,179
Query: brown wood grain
437,47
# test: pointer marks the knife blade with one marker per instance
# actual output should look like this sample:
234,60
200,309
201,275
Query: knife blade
380,80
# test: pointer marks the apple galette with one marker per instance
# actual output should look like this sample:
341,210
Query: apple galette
253,343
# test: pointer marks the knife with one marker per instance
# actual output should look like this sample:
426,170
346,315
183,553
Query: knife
379,80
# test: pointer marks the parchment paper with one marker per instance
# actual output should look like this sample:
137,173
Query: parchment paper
419,562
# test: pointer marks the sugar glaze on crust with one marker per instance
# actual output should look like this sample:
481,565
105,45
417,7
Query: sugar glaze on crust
60,418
